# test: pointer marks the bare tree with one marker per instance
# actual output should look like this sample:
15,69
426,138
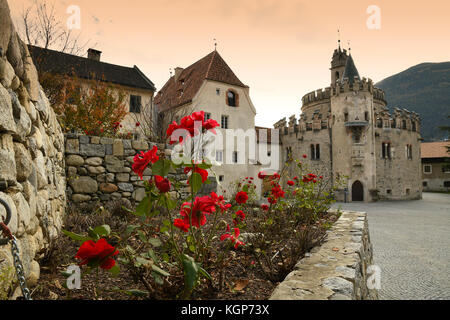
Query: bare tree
40,26
153,125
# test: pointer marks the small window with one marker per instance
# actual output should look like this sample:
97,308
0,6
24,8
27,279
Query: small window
231,98
408,191
366,116
425,184
218,92
315,151
135,104
346,117
404,124
413,124
386,150
427,169
389,191
221,178
446,168
219,156
235,157
224,122
446,184
207,116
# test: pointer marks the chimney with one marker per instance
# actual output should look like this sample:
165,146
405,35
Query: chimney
94,54
178,71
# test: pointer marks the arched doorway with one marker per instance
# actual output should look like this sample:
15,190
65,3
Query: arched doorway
357,191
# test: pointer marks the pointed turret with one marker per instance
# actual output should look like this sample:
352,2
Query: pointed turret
350,71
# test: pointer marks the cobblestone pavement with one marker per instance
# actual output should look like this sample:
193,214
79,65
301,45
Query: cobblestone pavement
411,241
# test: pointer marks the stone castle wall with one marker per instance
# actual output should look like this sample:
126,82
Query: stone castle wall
336,270
32,178
323,122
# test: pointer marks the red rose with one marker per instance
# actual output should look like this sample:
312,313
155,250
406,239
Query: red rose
138,124
202,205
305,156
272,201
97,253
233,238
241,197
189,124
202,172
162,184
262,175
241,215
142,160
290,183
180,224
265,207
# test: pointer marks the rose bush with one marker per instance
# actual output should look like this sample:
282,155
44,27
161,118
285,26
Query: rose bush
186,244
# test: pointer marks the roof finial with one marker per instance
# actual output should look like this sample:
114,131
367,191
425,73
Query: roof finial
215,44
170,71
349,47
339,39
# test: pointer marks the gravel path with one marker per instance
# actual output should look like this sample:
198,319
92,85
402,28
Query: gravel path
411,241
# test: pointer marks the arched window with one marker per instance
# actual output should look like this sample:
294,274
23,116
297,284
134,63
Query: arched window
231,98
337,75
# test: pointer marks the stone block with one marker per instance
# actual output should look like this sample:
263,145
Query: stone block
92,150
84,185
74,160
118,148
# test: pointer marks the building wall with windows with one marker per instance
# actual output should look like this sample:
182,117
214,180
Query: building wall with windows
435,169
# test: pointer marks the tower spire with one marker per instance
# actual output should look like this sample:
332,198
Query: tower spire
339,39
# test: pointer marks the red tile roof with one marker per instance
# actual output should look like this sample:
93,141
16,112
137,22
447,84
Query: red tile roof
435,149
183,90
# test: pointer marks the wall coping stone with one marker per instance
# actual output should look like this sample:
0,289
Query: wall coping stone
335,270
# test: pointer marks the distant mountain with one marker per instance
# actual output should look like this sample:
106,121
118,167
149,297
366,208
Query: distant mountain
425,89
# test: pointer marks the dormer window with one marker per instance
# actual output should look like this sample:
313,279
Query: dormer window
231,98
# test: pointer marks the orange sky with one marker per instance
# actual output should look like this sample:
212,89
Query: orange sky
280,48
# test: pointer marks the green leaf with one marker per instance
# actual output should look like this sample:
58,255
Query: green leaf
115,270
102,231
195,180
190,273
131,228
136,293
204,165
161,167
158,279
142,236
76,237
169,203
205,273
143,207
155,242
160,271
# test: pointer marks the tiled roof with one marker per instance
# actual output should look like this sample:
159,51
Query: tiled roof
56,62
435,149
182,90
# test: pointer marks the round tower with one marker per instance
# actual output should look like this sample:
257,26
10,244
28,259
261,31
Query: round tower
353,133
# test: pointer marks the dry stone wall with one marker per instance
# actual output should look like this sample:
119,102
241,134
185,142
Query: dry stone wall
336,270
32,178
99,169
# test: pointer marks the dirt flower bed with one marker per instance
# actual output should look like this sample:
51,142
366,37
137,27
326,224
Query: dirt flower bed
202,247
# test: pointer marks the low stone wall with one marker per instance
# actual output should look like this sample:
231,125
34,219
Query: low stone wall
336,270
99,169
